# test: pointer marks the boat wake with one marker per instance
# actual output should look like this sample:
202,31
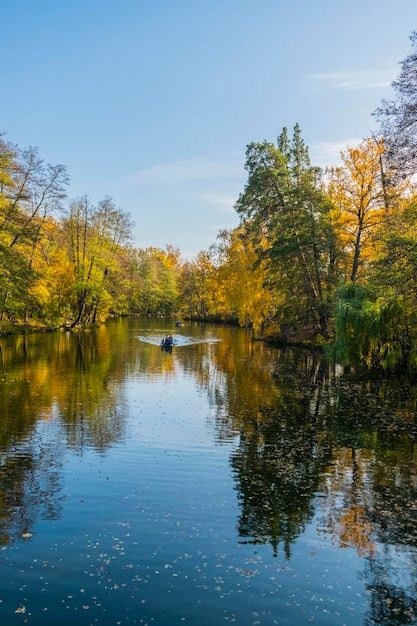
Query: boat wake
178,340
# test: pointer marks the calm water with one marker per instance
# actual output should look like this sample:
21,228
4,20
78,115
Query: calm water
225,482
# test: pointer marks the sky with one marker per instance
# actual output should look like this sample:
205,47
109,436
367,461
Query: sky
153,102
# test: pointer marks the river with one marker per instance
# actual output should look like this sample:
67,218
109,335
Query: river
222,481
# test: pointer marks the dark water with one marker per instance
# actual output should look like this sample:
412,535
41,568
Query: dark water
224,482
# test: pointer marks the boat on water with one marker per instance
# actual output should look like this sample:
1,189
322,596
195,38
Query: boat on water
167,343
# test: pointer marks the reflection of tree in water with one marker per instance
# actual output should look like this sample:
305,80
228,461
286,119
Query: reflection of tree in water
278,469
92,408
394,513
302,430
394,520
305,428
392,599
371,493
57,390
282,453
376,422
30,484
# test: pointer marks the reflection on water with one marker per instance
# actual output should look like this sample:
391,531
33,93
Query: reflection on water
222,481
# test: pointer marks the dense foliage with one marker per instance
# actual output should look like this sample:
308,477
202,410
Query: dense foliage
69,264
324,255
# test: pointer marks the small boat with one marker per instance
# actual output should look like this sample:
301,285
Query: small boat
167,343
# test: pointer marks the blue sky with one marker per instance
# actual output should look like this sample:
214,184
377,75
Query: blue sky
154,102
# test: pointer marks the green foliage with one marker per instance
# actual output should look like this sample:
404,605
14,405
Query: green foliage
301,232
372,330
199,288
286,215
155,276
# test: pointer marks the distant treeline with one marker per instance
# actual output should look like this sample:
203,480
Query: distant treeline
328,256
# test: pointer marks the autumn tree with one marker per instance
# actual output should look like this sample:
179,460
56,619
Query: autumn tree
363,196
113,227
7,166
50,288
9,265
393,277
31,191
94,236
39,191
366,200
154,280
398,116
198,286
283,206
243,293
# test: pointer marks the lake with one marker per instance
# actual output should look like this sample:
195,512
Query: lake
223,481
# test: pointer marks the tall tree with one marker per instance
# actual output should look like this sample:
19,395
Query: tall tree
36,191
244,295
198,286
154,280
94,236
284,207
30,191
393,276
398,116
8,165
362,202
113,230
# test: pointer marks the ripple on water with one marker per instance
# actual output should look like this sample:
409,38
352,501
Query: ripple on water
179,340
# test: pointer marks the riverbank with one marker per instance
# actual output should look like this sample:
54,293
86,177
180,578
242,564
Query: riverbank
23,328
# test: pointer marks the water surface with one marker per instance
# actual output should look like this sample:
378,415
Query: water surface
225,481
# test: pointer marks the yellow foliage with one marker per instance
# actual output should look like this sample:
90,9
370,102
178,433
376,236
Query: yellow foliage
40,292
363,198
242,280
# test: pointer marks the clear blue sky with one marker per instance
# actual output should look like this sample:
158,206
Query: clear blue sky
154,102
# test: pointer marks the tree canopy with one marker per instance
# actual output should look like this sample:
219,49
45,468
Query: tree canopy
321,255
398,116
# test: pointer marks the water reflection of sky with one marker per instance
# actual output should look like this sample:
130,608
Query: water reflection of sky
170,411
163,490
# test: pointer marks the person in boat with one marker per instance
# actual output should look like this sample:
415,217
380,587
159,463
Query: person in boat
167,342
